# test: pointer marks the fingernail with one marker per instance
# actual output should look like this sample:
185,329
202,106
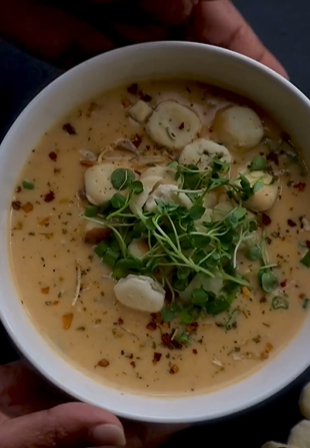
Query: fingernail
109,435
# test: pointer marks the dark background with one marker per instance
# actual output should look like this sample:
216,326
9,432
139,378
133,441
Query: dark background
284,26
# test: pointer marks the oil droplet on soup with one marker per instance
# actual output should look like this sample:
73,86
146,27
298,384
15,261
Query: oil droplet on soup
180,278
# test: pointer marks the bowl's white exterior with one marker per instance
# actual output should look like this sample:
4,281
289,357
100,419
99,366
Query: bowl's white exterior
287,104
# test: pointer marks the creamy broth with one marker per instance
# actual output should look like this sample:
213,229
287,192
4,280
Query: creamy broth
113,343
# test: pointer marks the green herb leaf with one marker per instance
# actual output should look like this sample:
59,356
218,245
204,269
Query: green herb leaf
168,314
258,186
305,303
121,178
110,257
91,211
136,187
268,280
182,338
118,201
306,260
28,185
196,212
254,253
280,302
199,297
259,163
101,249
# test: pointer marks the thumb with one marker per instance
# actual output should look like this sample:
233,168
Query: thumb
73,425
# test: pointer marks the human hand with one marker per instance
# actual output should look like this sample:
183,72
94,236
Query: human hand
62,37
32,415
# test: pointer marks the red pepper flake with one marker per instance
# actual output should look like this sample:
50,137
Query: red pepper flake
211,129
69,128
308,244
97,234
16,205
28,207
291,223
126,103
56,302
181,126
273,157
283,284
103,363
137,140
133,364
174,369
87,163
176,344
166,339
133,89
192,328
195,351
120,321
53,156
300,186
302,296
18,189
156,317
145,97
156,357
266,220
45,290
49,197
151,326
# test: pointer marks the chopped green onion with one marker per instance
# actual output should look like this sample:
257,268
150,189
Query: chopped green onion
110,257
101,249
280,302
259,163
305,303
91,211
28,185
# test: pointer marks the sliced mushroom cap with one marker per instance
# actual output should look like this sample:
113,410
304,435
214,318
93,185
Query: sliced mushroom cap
201,153
168,194
138,248
266,196
300,435
138,201
166,173
173,125
140,293
98,186
239,127
304,402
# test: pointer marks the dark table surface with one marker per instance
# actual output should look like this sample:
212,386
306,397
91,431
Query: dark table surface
284,27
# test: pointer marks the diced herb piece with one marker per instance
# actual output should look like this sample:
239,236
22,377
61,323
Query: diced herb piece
101,249
91,211
258,163
268,280
306,260
182,338
280,302
110,257
254,253
305,303
232,320
28,185
121,178
168,314
199,297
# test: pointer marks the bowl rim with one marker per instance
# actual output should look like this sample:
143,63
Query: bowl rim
30,353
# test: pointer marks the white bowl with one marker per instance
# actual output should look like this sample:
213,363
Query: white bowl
276,95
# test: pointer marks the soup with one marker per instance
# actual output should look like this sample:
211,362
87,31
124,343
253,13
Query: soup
160,240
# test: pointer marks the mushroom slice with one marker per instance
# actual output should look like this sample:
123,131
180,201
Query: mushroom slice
239,126
98,186
166,173
138,248
264,198
138,201
201,153
140,293
300,435
173,125
168,194
304,402
140,111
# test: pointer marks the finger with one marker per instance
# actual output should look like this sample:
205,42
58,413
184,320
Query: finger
219,23
23,390
50,33
68,425
172,12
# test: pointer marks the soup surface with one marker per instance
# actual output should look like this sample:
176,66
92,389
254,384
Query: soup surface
227,289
